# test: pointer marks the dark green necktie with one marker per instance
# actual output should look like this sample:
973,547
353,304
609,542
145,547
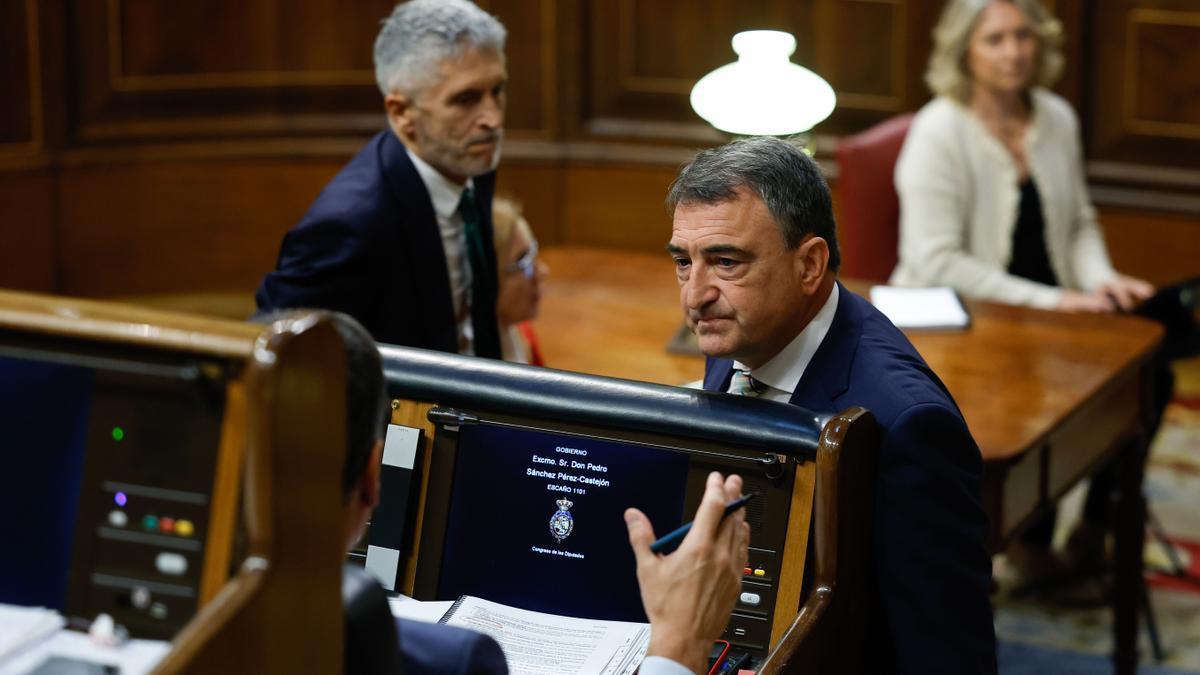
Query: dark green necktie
483,280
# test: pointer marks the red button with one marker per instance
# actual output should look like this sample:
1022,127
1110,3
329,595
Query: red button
747,570
166,525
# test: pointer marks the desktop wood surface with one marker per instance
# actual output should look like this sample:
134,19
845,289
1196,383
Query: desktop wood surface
1016,373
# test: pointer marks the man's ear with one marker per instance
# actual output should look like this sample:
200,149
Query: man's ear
400,115
812,259
368,487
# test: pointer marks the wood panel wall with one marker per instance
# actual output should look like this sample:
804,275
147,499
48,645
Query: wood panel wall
150,147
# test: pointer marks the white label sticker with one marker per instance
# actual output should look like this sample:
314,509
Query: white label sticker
383,563
400,446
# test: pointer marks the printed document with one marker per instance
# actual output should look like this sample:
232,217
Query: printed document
546,644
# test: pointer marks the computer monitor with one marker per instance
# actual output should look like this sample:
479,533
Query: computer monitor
179,473
535,517
108,464
530,470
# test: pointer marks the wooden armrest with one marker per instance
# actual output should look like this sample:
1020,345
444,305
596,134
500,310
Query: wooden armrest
842,514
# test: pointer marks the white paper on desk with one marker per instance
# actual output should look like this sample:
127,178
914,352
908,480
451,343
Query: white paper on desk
24,626
535,643
432,611
131,658
936,308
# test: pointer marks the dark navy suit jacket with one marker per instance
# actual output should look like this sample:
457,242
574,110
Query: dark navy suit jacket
445,650
369,246
930,528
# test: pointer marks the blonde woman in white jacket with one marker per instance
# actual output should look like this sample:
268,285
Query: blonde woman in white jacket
993,203
992,195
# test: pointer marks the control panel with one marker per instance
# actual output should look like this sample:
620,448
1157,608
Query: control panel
143,516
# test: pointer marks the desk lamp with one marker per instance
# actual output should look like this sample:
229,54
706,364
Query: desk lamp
763,93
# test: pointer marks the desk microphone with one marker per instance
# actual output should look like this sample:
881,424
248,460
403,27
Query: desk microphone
670,541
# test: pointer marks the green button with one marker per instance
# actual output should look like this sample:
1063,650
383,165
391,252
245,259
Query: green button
150,523
118,433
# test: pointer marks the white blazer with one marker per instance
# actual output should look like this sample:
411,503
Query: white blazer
959,201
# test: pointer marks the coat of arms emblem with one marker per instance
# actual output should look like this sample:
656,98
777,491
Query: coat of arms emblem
561,523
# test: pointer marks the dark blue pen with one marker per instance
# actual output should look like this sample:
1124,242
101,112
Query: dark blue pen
669,542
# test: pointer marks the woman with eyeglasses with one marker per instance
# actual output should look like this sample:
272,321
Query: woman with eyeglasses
521,274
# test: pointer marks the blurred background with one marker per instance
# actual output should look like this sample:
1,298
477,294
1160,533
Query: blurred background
150,147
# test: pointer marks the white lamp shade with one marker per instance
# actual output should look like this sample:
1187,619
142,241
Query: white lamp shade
763,93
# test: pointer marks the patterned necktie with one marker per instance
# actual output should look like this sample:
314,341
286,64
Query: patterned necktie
744,385
483,280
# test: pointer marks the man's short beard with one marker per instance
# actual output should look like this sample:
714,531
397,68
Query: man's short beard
496,154
456,161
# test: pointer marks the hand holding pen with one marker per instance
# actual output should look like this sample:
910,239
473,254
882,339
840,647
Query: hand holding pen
689,593
670,541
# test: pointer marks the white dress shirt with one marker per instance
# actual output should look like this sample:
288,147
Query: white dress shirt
782,373
660,665
445,195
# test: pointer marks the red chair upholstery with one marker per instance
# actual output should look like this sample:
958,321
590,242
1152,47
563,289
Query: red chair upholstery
869,218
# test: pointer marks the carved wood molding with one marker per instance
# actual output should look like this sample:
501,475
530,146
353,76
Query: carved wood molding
20,150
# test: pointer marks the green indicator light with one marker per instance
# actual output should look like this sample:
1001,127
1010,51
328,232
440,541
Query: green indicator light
118,433
150,523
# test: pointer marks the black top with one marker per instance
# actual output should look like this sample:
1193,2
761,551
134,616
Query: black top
1030,258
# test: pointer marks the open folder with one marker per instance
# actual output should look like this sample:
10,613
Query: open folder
936,308
535,643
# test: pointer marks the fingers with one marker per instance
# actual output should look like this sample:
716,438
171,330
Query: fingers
1099,301
1119,293
731,526
1105,301
733,487
1142,289
712,506
1076,301
641,535
1126,292
743,547
1136,289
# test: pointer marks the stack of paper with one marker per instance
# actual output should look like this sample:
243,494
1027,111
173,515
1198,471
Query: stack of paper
535,643
429,611
24,626
935,308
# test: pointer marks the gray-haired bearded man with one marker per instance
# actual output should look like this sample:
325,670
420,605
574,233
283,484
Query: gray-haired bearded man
401,238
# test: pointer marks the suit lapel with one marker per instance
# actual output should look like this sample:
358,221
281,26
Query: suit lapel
828,374
419,234
717,373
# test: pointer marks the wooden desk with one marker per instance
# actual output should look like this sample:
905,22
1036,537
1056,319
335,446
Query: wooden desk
1048,396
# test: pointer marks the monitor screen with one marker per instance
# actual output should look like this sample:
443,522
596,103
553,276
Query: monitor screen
536,518
43,419
109,460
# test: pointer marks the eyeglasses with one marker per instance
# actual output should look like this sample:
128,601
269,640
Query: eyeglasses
527,264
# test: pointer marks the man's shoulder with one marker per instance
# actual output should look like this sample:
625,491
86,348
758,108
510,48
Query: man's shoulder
436,648
360,191
888,376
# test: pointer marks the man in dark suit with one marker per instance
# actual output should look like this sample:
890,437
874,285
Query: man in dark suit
401,238
687,594
755,251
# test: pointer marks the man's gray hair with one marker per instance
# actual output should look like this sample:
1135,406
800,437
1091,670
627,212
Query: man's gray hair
787,180
420,34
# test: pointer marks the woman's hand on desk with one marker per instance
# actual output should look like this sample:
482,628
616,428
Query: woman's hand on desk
1126,292
1080,302
1121,293
688,594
